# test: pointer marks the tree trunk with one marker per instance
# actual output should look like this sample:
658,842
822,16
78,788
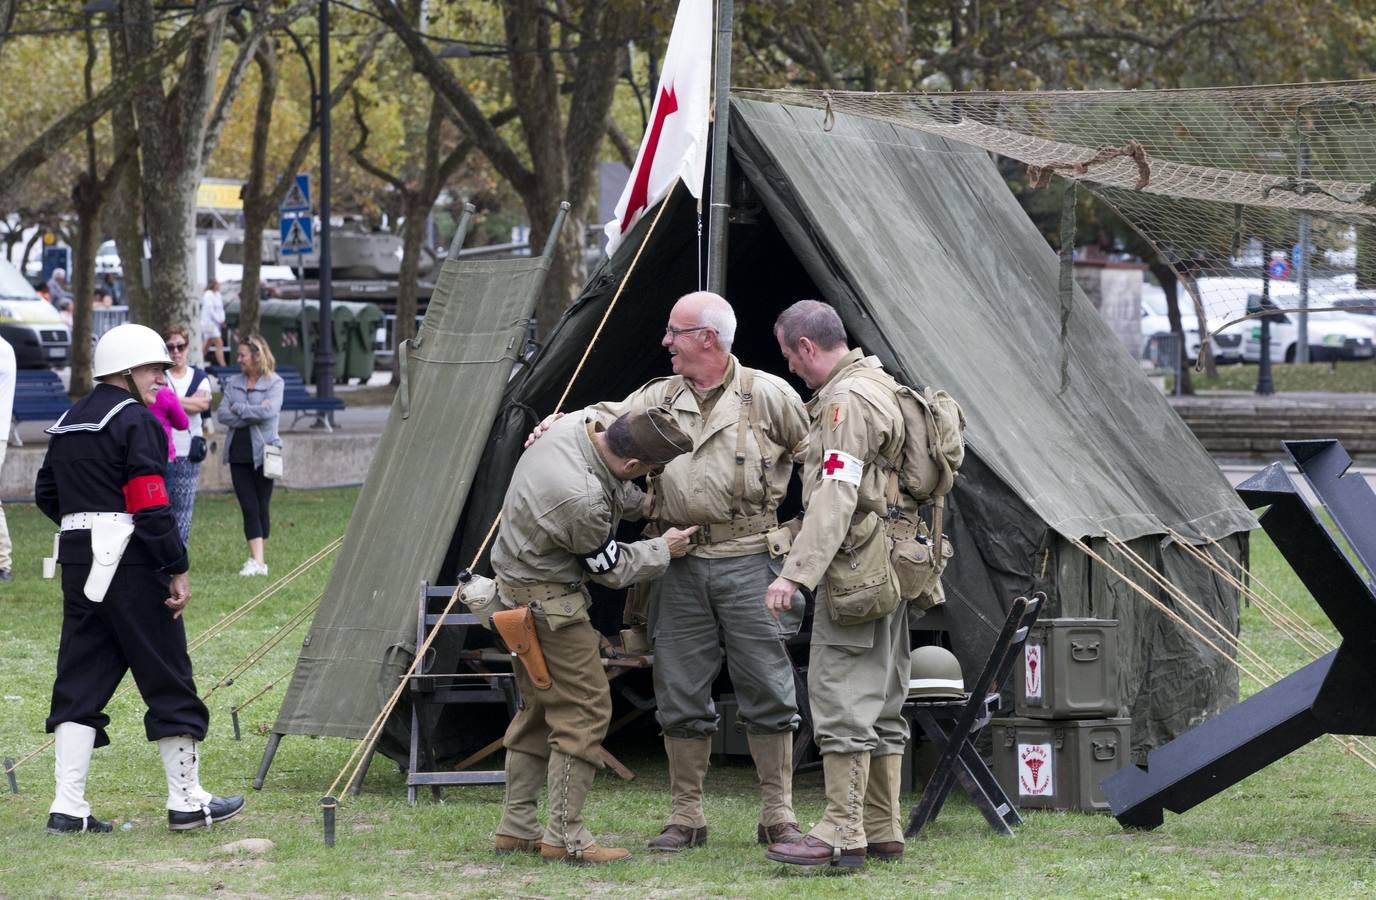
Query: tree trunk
258,202
87,200
418,205
172,129
1171,285
124,217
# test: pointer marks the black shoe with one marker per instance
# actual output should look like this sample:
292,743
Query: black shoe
60,823
218,810
6,575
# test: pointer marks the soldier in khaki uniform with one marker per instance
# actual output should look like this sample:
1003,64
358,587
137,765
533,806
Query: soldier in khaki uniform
558,530
713,594
857,674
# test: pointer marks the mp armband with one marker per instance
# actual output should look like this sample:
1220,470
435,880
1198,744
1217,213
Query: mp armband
603,559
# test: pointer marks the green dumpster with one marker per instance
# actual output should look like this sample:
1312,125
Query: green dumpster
355,325
279,322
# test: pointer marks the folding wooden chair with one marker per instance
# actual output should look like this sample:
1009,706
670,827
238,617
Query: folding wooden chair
959,760
430,689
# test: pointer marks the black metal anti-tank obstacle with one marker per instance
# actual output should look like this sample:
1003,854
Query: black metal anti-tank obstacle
1334,694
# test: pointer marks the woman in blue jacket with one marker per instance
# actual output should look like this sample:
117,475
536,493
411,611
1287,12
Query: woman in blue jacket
250,406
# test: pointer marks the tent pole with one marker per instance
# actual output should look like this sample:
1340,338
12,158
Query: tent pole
720,198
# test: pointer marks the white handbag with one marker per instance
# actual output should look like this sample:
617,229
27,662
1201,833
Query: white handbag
272,462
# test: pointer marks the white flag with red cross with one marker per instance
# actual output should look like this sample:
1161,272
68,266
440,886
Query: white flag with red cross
675,143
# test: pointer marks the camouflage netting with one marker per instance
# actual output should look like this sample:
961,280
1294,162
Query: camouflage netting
1223,182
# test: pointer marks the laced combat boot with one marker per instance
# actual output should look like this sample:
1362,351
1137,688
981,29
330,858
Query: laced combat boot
190,806
839,839
567,838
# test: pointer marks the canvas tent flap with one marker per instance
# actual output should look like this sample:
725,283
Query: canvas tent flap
870,210
474,330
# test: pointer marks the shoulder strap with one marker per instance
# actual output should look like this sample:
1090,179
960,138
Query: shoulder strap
197,376
743,425
673,389
891,487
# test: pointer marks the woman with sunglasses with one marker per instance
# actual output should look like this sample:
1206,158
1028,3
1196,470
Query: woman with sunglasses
249,408
192,389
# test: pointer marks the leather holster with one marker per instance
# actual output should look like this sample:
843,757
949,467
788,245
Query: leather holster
108,542
517,629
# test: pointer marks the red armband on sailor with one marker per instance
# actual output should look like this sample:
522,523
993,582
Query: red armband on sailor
143,492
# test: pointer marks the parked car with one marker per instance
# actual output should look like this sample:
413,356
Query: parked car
1227,344
1332,335
31,325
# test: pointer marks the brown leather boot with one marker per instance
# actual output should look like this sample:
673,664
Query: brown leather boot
677,837
811,851
687,825
883,825
773,755
886,851
591,855
506,844
783,833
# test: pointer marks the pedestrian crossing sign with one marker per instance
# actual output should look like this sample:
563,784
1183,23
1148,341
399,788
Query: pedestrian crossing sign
298,234
298,198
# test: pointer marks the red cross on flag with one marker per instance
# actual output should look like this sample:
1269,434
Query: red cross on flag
841,466
675,143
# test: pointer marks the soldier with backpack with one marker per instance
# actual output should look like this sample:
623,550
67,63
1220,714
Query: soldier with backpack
862,480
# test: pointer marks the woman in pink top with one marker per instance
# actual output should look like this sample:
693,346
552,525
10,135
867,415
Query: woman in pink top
168,410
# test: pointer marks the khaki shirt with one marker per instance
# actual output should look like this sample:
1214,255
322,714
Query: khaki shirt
560,515
697,488
853,418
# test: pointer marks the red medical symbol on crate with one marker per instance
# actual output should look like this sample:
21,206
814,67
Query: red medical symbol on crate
1032,758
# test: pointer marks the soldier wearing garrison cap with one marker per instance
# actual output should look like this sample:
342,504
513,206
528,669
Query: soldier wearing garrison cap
746,426
124,585
558,531
858,664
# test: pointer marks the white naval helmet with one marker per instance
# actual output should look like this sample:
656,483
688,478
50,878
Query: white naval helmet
126,347
935,674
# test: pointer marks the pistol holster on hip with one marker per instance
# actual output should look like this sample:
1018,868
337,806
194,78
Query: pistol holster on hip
108,542
517,629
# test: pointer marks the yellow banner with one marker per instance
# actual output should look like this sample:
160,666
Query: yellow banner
219,194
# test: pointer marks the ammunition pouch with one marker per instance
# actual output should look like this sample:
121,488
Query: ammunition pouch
781,538
559,604
861,583
915,562
517,630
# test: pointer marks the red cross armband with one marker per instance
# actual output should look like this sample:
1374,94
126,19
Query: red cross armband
143,492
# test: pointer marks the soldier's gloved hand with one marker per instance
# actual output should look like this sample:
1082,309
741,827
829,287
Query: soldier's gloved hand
181,594
779,597
542,427
677,539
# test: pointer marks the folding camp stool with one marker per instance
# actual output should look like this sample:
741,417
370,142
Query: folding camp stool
951,725
431,689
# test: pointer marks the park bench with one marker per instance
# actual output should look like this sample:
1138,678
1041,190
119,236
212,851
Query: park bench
39,395
296,398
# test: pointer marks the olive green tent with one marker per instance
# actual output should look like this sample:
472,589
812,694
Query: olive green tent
933,267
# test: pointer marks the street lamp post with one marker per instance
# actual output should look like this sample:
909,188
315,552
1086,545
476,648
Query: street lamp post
324,358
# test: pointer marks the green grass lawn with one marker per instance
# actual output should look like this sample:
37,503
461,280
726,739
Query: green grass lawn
1304,827
1342,376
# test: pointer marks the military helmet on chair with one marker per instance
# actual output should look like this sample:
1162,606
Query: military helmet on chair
935,675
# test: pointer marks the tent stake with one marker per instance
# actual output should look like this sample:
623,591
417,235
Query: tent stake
327,807
234,717
9,773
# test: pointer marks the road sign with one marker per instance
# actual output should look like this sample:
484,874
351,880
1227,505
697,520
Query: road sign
298,198
1280,269
298,234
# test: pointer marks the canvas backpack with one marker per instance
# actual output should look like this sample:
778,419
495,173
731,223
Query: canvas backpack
933,449
933,442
